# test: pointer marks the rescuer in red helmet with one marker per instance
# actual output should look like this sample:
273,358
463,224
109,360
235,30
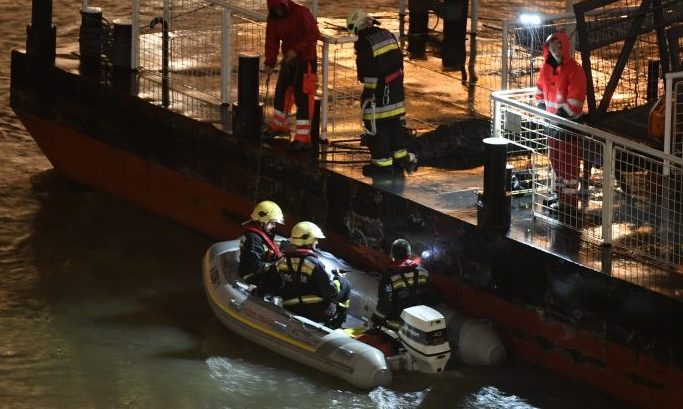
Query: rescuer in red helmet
292,28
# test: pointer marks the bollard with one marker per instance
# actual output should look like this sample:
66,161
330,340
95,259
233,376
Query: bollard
120,52
41,34
247,112
91,35
454,32
493,204
418,19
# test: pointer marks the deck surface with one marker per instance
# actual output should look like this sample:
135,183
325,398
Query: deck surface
451,192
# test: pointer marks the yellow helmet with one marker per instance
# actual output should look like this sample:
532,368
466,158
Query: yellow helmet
305,234
358,20
267,211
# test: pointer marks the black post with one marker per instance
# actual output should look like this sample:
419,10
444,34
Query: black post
248,111
41,35
121,43
454,32
418,19
652,80
315,125
165,97
493,206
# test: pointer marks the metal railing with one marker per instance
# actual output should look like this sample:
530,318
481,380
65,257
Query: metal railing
206,38
630,195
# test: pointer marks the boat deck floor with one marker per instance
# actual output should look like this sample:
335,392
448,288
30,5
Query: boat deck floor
452,192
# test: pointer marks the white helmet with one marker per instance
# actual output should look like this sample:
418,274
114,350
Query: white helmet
358,20
267,211
305,234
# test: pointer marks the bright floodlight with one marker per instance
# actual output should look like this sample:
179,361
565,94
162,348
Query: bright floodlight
530,19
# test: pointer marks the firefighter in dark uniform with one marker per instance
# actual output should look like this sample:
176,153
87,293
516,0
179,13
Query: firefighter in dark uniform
308,288
379,65
258,249
403,284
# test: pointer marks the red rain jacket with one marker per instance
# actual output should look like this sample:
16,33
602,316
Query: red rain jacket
297,31
563,86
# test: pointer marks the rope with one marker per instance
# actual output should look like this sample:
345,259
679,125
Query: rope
260,148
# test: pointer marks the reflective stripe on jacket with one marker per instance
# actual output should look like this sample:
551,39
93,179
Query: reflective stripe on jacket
563,86
305,279
404,284
379,65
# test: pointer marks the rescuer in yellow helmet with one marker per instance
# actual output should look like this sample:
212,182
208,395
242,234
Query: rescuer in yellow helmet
258,249
308,288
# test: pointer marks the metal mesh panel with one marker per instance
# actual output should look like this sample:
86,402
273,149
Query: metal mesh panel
525,50
602,23
640,202
647,218
677,128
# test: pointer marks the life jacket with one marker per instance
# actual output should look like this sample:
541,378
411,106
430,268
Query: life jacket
273,252
297,268
408,284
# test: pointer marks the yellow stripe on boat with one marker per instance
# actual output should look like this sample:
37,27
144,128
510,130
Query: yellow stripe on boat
261,328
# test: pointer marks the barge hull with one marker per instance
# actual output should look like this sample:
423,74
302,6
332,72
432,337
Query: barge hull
613,335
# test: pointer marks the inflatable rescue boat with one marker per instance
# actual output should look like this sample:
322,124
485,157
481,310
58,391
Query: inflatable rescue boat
425,339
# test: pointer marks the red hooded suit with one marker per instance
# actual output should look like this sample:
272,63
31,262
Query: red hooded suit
562,91
298,31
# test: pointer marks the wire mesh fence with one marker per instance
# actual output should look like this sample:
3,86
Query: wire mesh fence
628,195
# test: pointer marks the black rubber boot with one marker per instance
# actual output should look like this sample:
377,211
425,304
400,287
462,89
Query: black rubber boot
374,170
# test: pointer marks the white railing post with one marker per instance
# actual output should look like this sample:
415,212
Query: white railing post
608,192
135,36
497,112
84,5
226,54
326,79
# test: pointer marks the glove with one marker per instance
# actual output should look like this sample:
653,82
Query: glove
331,310
562,113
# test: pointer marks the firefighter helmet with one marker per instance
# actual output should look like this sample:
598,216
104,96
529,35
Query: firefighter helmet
267,211
358,20
400,249
305,234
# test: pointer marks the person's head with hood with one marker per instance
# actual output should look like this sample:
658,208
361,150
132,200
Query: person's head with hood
556,48
278,8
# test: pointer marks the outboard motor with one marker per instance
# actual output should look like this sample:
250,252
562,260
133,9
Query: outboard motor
425,338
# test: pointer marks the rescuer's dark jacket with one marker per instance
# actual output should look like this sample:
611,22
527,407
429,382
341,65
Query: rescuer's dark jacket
379,65
308,289
404,284
258,254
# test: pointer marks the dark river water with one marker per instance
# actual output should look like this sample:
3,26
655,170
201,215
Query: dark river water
101,304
